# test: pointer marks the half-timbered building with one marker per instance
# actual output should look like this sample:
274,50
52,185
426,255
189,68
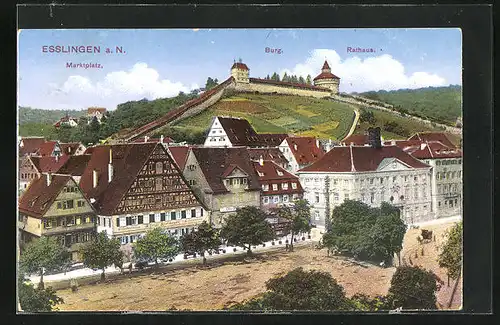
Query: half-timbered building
138,186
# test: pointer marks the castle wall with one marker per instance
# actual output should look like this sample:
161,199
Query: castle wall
264,88
334,86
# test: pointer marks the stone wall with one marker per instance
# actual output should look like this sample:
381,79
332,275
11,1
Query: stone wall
265,88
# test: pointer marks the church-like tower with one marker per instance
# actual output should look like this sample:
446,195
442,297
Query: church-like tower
327,79
240,72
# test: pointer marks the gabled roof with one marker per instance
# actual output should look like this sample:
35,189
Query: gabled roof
426,149
433,136
38,197
304,149
49,164
69,148
360,159
240,65
230,170
180,154
241,133
75,165
47,148
325,66
356,139
268,174
273,154
214,162
30,145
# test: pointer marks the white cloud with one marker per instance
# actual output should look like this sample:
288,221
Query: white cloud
364,74
139,82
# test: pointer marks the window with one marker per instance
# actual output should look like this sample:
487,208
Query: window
415,178
261,174
128,221
276,199
316,197
285,198
201,212
59,205
191,182
265,187
371,180
193,213
382,196
183,214
334,181
80,203
372,197
279,172
294,186
439,204
284,186
362,197
192,167
140,219
243,181
68,204
151,218
381,180
346,196
162,216
316,215
335,196
118,222
265,200
416,193
275,187
172,215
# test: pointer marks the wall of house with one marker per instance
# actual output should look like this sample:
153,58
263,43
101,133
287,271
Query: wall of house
217,136
53,211
447,186
30,224
223,205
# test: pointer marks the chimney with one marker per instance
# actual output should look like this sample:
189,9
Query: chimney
110,166
49,178
57,158
261,161
161,138
69,149
94,178
374,137
393,142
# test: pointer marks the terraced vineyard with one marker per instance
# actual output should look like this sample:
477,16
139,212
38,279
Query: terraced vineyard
281,114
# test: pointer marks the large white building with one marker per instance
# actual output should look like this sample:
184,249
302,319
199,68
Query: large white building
371,174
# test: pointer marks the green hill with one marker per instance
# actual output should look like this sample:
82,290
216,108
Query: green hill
44,116
441,104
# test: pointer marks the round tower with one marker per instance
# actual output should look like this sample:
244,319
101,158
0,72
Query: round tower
327,79
240,72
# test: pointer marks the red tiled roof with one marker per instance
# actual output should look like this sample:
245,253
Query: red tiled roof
273,154
306,152
69,148
38,197
30,145
326,75
214,162
47,148
427,149
180,154
240,65
75,165
325,66
241,133
270,176
360,159
165,140
288,84
50,164
356,139
433,136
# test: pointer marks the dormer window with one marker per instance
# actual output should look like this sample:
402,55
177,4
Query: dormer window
275,187
294,186
265,187
261,174
284,186
280,173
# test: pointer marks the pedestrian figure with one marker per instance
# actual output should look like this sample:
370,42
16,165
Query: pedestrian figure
130,268
286,247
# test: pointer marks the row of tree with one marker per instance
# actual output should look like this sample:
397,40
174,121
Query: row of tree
290,78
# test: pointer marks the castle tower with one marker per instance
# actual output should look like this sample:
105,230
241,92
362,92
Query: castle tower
327,79
240,72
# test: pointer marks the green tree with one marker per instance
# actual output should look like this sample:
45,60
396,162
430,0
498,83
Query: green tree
102,252
309,80
155,245
387,233
211,83
301,80
298,216
413,288
246,228
450,256
286,78
38,299
299,290
44,254
205,238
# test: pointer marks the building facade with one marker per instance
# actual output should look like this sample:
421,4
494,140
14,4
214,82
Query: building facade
300,151
54,205
136,187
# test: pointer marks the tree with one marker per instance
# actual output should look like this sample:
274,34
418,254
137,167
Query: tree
368,233
211,83
155,245
38,299
299,290
451,253
299,217
413,288
204,239
285,78
44,254
309,80
102,252
301,80
246,228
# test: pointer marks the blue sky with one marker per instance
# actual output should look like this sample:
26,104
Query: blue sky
160,63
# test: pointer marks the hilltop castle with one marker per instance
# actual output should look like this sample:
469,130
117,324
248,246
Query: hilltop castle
325,84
